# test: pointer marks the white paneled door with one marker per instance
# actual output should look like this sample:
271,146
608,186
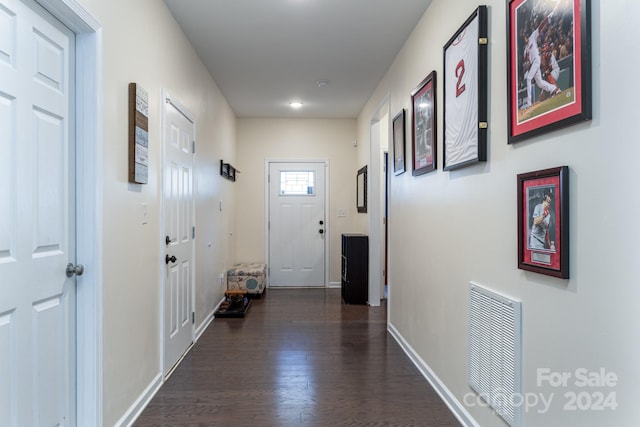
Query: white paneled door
297,225
37,218
178,239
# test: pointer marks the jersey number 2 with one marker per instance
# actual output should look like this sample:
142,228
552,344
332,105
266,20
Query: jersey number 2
460,87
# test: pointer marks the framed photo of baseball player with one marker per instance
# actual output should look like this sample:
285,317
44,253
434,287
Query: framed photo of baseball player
549,65
543,221
398,143
423,119
465,93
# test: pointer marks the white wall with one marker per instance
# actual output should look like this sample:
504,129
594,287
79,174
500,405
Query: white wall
143,44
279,139
449,228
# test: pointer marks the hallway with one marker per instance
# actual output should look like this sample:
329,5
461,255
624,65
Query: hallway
299,358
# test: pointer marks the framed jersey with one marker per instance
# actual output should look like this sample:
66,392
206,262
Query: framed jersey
465,93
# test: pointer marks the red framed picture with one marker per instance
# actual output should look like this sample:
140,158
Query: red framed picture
398,143
423,119
543,221
549,65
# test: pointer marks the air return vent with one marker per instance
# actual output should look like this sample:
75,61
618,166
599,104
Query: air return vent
495,356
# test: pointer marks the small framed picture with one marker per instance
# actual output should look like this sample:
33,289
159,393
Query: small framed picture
361,190
398,143
465,93
423,119
548,65
224,169
543,221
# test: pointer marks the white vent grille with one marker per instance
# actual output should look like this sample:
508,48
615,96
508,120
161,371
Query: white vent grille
495,356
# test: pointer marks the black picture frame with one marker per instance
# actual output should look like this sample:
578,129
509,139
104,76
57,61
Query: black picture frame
543,221
423,126
224,169
466,93
548,75
361,190
398,125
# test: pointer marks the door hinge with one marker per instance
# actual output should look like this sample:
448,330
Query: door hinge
193,317
193,232
193,147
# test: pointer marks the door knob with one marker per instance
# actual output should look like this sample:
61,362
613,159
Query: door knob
321,222
74,269
168,259
167,240
321,231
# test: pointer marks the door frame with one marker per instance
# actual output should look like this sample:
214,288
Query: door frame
267,211
167,99
376,255
89,203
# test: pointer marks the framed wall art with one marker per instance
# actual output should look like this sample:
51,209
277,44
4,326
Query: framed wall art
465,93
423,125
361,190
398,143
549,65
138,134
543,221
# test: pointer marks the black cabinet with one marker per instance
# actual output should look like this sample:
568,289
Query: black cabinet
355,268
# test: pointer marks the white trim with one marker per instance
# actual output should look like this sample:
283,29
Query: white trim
181,109
376,252
205,324
89,190
326,213
141,403
458,410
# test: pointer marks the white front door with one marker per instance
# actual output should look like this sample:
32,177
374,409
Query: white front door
297,225
37,218
178,139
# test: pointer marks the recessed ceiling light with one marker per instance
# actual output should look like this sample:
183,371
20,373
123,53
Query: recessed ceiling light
295,104
322,82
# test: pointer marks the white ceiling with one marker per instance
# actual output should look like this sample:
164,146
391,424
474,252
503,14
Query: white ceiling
263,54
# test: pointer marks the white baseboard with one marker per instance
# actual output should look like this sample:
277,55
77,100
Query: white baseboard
458,410
205,323
138,406
143,400
334,285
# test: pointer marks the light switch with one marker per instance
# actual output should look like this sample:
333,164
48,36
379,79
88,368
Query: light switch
342,213
144,213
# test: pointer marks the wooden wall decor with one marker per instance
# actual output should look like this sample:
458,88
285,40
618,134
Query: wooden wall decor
138,134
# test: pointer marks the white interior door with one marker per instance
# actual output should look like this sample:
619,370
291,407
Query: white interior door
297,225
178,140
37,218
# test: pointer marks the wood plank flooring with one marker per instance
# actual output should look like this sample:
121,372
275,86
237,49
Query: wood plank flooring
299,358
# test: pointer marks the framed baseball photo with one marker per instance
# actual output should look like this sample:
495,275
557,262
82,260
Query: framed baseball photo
398,143
549,65
465,93
543,222
423,119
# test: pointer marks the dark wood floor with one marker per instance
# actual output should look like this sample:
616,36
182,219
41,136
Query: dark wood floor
299,358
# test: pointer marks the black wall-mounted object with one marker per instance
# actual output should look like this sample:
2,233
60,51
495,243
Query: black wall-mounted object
361,190
227,171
